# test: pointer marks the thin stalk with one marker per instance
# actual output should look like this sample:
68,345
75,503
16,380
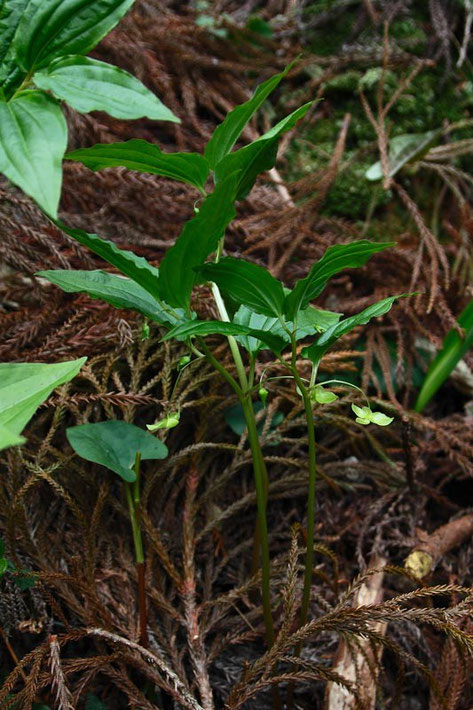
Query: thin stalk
309,560
133,500
261,505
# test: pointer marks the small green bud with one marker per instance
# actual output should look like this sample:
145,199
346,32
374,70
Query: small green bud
145,331
322,396
168,422
263,395
185,360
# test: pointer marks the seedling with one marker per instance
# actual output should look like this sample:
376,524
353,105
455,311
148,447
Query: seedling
268,316
120,447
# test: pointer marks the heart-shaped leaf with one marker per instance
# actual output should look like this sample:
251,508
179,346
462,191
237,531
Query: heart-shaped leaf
114,444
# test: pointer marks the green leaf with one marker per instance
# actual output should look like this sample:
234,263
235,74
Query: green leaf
322,396
199,238
9,438
381,419
204,327
90,85
119,291
453,349
217,327
131,265
24,386
10,14
54,28
247,283
311,320
336,259
402,150
33,139
3,566
145,157
257,322
314,320
114,444
227,133
258,156
327,339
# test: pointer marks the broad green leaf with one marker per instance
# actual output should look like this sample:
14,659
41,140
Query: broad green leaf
327,339
54,28
119,291
258,156
9,438
214,327
199,238
255,321
33,139
131,265
227,133
3,566
146,158
453,349
24,386
10,14
336,259
90,85
114,444
314,320
204,327
247,283
311,320
402,150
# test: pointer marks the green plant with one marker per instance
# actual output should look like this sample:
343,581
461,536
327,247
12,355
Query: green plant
42,62
256,311
120,447
23,387
453,349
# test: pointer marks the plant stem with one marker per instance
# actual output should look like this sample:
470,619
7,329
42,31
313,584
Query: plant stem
311,491
261,496
133,500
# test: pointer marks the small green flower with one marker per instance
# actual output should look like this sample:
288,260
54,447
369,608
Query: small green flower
263,395
322,396
168,422
185,360
365,416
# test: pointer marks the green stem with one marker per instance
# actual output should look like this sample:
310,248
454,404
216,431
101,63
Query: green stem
261,497
309,560
133,500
